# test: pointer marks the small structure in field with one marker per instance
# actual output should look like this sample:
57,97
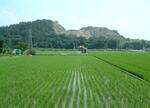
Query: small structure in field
17,52
82,49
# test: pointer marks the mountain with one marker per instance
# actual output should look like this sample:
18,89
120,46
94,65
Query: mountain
47,27
50,34
38,27
42,27
95,32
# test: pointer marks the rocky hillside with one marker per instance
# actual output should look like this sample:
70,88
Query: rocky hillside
58,29
50,34
46,27
95,32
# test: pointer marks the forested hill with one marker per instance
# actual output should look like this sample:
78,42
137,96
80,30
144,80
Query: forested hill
38,27
50,34
42,27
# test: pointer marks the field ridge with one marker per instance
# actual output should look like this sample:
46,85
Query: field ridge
129,72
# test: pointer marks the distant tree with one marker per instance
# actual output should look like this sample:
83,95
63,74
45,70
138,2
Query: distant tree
97,42
1,46
143,43
147,44
81,40
137,45
125,45
22,45
112,43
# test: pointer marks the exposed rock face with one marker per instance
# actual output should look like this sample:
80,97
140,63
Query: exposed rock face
58,28
79,33
94,32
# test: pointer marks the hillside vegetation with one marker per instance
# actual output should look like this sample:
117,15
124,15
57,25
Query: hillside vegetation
50,34
134,62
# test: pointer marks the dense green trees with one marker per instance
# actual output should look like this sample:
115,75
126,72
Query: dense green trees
69,42
1,46
44,35
97,42
21,45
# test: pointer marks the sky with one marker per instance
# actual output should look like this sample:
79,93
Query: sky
130,17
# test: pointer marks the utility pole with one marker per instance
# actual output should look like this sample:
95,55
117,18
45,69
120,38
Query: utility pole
30,44
74,46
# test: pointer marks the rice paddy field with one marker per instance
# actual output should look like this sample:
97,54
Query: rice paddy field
137,63
75,81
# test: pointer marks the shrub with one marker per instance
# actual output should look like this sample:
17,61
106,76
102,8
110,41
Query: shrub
30,52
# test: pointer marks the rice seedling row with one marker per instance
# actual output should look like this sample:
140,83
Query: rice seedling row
68,82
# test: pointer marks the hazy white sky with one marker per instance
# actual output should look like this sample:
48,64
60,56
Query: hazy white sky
130,17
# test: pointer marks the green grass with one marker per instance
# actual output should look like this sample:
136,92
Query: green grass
51,51
68,82
55,52
136,62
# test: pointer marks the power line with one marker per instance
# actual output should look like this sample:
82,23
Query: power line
30,44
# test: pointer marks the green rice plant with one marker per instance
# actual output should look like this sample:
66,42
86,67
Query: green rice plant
68,82
136,63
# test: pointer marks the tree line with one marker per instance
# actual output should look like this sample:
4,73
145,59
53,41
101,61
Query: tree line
71,41
45,36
